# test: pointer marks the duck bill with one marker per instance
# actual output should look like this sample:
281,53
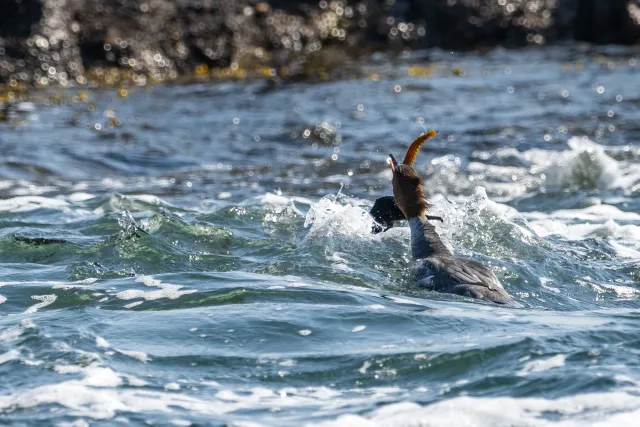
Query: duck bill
393,163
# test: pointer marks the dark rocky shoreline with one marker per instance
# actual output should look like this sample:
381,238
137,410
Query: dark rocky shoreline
62,42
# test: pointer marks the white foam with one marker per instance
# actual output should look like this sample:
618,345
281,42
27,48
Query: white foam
328,218
366,365
84,283
544,282
98,396
95,397
599,212
9,355
542,365
112,183
46,300
166,290
53,283
3,299
623,251
101,342
68,369
400,300
584,164
590,410
13,332
134,382
277,203
97,376
480,200
599,221
30,203
139,355
80,197
76,423
147,198
621,291
133,304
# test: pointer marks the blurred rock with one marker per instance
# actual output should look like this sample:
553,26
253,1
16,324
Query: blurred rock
112,42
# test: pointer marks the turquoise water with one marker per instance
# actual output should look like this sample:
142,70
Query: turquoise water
201,254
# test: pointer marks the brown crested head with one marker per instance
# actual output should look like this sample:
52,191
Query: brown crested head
407,184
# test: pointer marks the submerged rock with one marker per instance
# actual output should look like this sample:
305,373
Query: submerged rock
113,41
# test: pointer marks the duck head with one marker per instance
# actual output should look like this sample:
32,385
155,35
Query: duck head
407,184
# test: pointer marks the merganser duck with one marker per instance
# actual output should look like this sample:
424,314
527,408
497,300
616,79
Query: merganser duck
436,268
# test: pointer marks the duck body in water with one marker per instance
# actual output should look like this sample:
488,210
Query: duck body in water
436,268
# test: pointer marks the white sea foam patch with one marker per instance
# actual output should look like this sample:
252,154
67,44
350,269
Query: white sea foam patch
76,423
599,212
139,355
599,221
53,283
133,304
479,201
548,227
9,355
98,395
165,290
277,203
45,300
624,252
30,203
542,365
620,290
14,332
148,198
329,217
585,164
590,410
101,342
68,369
80,197
2,299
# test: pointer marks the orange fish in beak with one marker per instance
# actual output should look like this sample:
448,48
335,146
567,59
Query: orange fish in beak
412,151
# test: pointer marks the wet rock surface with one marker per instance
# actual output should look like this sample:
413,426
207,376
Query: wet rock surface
46,42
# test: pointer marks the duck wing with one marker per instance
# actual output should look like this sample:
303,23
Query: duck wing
466,277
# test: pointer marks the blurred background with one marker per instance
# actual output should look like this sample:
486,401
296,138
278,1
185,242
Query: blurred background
130,42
